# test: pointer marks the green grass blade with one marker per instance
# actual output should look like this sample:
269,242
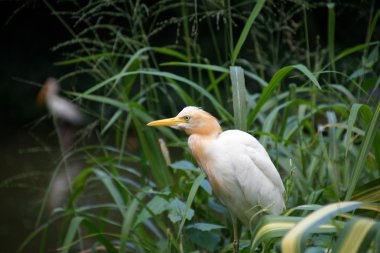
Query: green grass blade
110,122
100,235
274,83
112,189
352,50
244,34
190,199
129,220
215,68
370,192
372,26
70,235
239,95
364,149
295,240
151,151
271,226
331,33
355,108
357,236
171,52
83,59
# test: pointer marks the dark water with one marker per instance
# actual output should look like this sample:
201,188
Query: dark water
26,158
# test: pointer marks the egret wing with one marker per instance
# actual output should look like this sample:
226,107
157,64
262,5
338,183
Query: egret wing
256,175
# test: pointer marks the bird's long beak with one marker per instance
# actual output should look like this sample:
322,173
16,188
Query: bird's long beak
167,122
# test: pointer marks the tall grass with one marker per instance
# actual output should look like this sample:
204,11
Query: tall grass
312,108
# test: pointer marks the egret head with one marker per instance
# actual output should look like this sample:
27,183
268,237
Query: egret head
193,120
49,89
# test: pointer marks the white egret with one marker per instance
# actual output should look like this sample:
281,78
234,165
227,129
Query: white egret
238,167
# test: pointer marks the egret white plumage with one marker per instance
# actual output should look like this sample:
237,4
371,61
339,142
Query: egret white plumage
238,167
57,105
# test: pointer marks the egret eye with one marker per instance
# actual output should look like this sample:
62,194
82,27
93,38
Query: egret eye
187,118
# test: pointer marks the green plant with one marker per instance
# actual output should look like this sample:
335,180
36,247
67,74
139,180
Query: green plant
311,108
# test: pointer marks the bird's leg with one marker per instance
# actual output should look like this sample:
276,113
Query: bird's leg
236,234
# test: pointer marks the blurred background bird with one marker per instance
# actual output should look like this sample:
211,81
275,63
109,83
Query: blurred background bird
67,118
58,106
238,167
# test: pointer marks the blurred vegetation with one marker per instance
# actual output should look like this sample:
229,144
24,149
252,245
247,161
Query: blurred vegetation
312,77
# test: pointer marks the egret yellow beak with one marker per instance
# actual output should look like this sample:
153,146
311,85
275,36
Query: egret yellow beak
167,122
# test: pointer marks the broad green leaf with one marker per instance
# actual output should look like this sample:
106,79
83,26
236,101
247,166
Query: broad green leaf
171,52
331,32
207,241
183,165
204,226
357,235
178,211
215,68
156,206
295,240
206,186
111,122
370,193
271,226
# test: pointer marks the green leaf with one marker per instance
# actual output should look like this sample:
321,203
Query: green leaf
71,231
272,226
178,211
204,226
190,199
206,186
82,59
357,235
112,189
295,240
183,165
274,83
156,206
364,149
205,240
239,95
128,219
370,192
355,108
248,24
151,150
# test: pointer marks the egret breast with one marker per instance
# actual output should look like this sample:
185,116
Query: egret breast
201,148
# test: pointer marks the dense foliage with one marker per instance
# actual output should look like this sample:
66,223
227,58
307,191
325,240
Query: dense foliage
310,94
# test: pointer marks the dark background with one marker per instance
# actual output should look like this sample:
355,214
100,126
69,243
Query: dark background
27,37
